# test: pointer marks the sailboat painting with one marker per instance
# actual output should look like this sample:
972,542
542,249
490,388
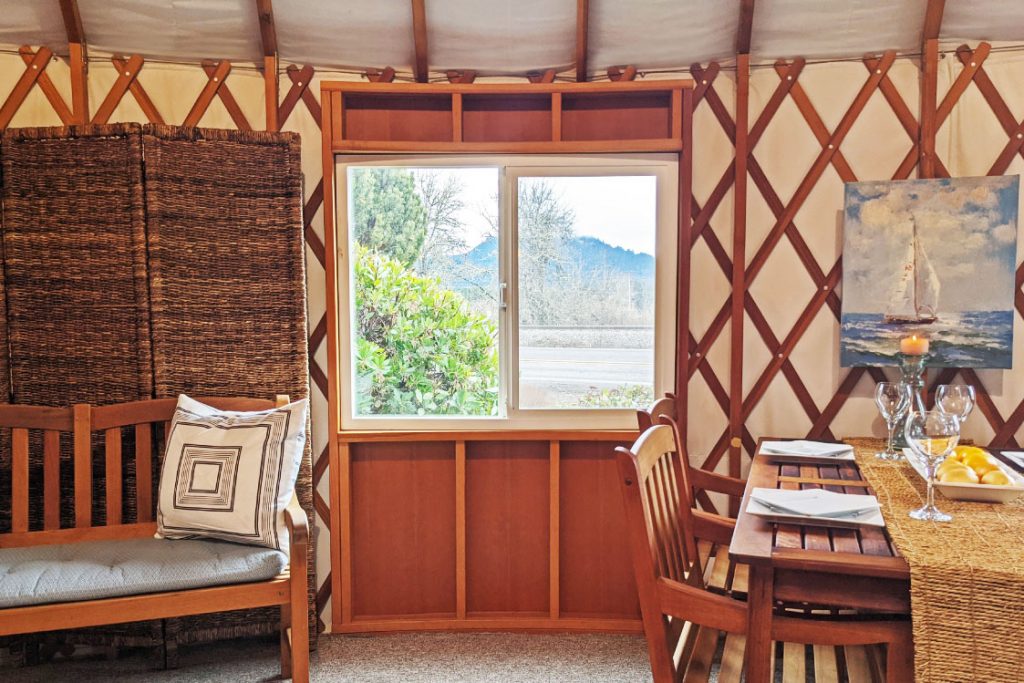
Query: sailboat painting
934,258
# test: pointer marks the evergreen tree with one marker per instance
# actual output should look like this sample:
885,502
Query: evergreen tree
388,215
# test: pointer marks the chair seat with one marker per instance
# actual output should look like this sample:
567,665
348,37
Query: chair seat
94,570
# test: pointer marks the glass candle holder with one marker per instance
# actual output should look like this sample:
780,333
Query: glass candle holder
912,369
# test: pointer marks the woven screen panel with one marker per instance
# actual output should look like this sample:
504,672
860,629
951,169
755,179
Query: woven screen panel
74,246
77,323
75,265
228,288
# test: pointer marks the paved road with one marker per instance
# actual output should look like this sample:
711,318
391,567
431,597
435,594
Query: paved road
586,367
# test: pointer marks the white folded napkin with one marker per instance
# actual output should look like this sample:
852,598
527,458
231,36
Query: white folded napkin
816,449
1016,456
816,502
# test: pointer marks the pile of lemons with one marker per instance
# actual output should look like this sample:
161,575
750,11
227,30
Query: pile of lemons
972,465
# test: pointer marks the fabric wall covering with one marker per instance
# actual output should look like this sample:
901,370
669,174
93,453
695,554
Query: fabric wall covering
149,261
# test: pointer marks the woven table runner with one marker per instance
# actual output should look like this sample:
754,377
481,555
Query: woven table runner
966,576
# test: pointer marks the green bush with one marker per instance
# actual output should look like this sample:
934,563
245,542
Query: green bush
419,349
625,396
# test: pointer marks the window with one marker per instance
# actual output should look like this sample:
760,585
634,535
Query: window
505,292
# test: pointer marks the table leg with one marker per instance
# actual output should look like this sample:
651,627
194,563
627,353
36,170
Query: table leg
759,624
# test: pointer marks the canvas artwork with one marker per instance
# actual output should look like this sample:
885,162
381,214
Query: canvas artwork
934,258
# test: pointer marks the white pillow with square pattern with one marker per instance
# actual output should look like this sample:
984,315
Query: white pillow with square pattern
230,474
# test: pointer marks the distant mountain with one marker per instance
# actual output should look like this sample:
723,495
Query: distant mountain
594,257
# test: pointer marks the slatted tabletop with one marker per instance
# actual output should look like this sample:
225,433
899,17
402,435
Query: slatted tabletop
857,568
861,551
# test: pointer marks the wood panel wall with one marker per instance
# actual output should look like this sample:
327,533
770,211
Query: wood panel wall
483,532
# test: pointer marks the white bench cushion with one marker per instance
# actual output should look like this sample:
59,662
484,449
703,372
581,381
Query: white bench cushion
105,569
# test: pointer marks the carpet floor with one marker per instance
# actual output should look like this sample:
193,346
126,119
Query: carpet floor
410,658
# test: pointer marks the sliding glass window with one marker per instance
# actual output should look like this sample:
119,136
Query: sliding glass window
505,292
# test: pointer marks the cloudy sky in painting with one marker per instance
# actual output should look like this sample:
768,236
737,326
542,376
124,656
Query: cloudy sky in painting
968,227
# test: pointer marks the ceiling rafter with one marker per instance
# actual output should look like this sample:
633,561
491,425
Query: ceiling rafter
268,32
622,73
385,75
271,81
78,60
419,35
72,21
546,76
933,19
582,38
746,25
464,76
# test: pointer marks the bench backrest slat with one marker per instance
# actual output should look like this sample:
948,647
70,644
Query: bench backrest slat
19,480
144,471
51,479
83,465
112,452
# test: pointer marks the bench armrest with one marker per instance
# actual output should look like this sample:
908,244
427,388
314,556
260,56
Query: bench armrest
297,522
719,483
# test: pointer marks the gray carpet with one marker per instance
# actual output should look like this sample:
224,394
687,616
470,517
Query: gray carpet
409,658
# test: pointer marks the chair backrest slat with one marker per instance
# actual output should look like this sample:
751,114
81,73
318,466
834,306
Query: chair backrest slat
51,479
654,462
19,480
112,453
670,506
144,472
83,465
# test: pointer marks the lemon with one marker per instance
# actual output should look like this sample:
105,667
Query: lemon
980,462
950,463
961,452
959,475
996,478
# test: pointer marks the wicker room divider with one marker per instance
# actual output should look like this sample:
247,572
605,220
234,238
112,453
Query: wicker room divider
148,261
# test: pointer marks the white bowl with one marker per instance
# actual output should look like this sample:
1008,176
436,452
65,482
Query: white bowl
979,493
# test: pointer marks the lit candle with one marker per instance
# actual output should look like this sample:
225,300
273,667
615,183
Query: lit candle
914,345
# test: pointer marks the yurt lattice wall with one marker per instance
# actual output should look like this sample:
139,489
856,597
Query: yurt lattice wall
764,260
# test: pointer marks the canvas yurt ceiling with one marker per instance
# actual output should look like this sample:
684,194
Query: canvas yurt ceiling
505,37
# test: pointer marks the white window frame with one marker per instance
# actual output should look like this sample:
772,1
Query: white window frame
664,167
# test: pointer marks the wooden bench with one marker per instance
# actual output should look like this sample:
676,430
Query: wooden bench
144,423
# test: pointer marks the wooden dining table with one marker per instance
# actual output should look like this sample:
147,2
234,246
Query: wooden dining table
856,568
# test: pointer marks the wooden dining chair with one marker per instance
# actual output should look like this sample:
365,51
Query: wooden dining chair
683,618
702,481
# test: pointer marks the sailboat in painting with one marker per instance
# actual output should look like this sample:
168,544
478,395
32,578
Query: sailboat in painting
915,298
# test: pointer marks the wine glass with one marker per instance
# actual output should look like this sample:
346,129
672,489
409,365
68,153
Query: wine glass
955,399
893,401
932,434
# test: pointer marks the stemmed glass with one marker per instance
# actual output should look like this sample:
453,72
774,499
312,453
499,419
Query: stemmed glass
893,401
955,399
931,435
